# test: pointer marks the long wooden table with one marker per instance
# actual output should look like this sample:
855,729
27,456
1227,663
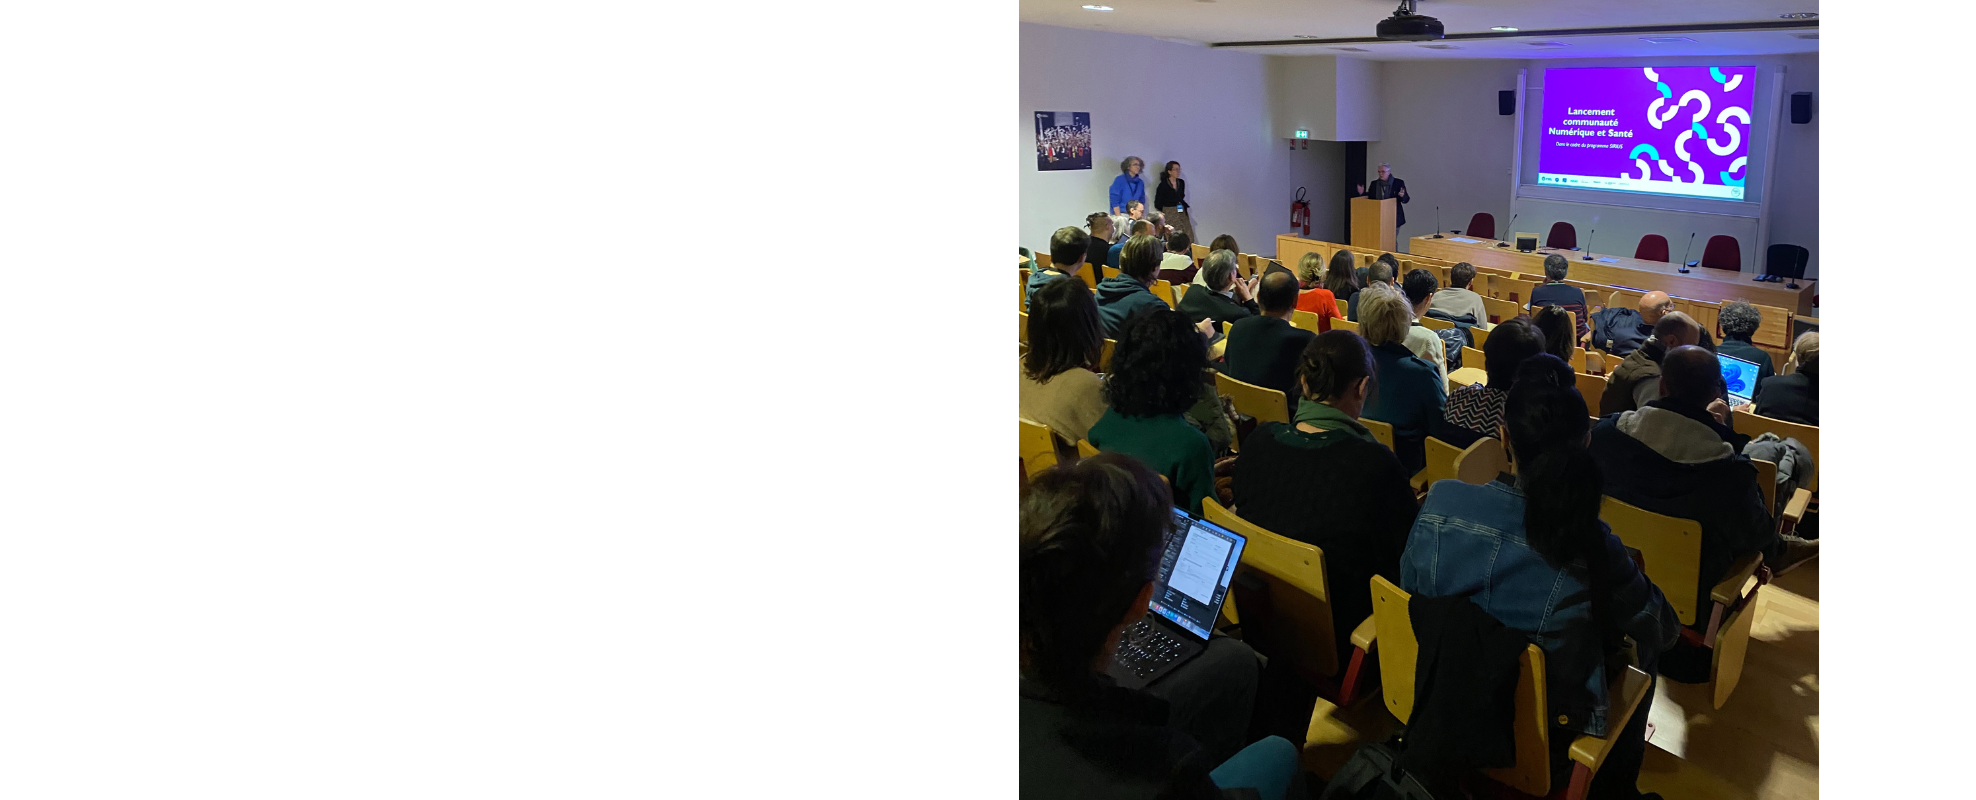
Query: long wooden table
1701,284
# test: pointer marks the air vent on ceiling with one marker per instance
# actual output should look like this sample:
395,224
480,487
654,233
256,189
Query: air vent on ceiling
1811,35
1352,49
1440,47
1547,44
1667,39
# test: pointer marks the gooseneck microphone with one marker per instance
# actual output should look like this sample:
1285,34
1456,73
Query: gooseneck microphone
1588,245
1511,231
1685,251
1437,224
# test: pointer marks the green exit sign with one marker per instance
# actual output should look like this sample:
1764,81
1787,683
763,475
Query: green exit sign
1303,134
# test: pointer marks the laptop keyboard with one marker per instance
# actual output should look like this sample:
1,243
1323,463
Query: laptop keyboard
1144,648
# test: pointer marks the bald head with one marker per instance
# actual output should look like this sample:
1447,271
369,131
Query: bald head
1654,305
1691,375
1677,329
1278,294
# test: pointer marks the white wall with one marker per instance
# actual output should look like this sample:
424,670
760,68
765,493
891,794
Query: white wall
1360,104
1207,109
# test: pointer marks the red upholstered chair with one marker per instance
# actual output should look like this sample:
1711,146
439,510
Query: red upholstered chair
1723,253
1482,225
1563,237
1653,247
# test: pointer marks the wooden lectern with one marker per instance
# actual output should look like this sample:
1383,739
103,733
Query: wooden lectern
1375,223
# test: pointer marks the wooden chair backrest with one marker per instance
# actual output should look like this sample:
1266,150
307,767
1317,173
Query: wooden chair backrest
1042,258
1595,293
1085,449
1434,324
1199,253
1774,330
1296,623
1104,356
1179,293
1164,291
1750,424
1022,295
1039,447
1766,480
1612,362
1482,461
1441,458
1625,298
1471,357
1111,272
1022,328
1492,272
1500,311
1479,334
1671,547
1089,275
1265,405
1381,431
1344,325
1248,265
1706,313
1305,320
1511,289
1591,387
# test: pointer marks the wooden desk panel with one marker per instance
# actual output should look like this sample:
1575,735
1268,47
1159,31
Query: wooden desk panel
1701,284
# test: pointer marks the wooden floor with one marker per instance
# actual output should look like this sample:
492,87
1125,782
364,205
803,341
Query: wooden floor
1763,743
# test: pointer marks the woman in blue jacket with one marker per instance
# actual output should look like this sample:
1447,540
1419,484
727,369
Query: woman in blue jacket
1128,186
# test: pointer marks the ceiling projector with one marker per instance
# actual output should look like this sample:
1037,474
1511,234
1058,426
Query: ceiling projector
1406,26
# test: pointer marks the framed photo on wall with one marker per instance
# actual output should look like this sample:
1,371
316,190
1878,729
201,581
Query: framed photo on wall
1063,140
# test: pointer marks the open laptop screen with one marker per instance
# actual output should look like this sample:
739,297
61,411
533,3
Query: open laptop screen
1195,571
1739,377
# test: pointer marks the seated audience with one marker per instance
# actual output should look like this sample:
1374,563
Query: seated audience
1099,248
1265,349
1313,297
1458,300
1793,397
1324,480
1635,383
1380,274
1530,549
1156,374
1555,292
1092,536
1226,298
1475,411
1179,252
1125,294
1419,288
1412,394
1222,242
1340,278
1678,456
1140,228
1739,321
1067,247
1622,330
1559,339
1060,386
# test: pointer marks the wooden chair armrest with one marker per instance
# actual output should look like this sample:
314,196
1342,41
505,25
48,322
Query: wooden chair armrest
1623,698
1794,508
1730,590
1364,635
1420,478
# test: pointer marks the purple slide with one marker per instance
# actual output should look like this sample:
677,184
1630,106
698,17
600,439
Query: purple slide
1668,130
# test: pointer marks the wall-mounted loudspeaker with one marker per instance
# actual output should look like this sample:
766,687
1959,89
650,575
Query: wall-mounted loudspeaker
1800,107
1506,102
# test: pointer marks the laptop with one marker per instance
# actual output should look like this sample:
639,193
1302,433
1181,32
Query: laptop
1195,571
1739,378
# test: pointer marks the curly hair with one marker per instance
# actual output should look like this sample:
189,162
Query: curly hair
1125,166
1332,363
1092,536
1158,365
1739,320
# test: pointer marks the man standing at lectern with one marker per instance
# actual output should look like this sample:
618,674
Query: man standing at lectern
1389,186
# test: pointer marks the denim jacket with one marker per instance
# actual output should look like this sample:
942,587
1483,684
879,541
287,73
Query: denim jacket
1468,541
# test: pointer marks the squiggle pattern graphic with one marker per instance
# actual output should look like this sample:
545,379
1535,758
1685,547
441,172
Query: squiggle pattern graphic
1657,119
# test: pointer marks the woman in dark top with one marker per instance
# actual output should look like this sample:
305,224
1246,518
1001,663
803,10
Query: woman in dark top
1324,480
1793,397
1092,538
1475,411
1170,198
1559,339
1155,379
1342,277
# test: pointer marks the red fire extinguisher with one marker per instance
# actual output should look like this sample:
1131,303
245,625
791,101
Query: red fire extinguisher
1300,212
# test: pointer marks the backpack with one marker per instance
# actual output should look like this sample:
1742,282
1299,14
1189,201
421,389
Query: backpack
1374,773
1453,340
1617,331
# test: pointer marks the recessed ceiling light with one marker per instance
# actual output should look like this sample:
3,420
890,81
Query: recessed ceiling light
1799,15
1502,28
1667,39
1098,8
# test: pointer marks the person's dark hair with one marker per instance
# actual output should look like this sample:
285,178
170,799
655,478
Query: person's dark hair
1068,246
1560,336
1168,169
1509,345
1562,486
1334,362
1224,242
1158,366
1381,271
1390,262
1461,274
1555,267
1092,537
1140,257
1218,270
1419,285
1692,375
1278,292
1179,242
1064,332
1739,320
1342,277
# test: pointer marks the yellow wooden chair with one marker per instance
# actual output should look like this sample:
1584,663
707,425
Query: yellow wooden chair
1090,276
1179,294
1514,290
1479,334
1474,368
1591,387
1111,272
1441,458
1305,320
1042,259
1382,431
1482,461
1671,549
1624,298
1199,252
1250,400
1022,294
1023,329
1750,424
1345,308
1766,479
1434,324
1164,291
1284,593
1104,355
1391,630
1085,449
1344,325
1039,447
1500,311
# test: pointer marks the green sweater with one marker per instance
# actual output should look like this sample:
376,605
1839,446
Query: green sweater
1168,445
